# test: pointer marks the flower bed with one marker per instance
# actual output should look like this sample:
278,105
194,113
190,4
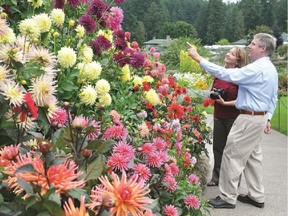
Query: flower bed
90,124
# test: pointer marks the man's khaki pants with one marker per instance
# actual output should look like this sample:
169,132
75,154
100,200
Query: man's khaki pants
243,153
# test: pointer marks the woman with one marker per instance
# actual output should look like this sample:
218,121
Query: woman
225,112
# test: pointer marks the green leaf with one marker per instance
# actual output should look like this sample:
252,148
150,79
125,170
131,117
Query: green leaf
26,186
44,213
95,169
153,204
101,146
53,208
55,198
77,193
26,168
61,138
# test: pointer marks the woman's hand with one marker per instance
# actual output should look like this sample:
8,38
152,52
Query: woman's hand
225,103
192,52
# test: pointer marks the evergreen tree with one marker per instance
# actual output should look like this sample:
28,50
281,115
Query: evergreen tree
201,22
155,17
268,16
281,14
251,10
234,24
139,32
215,21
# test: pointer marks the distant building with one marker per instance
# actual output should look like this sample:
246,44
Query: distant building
159,44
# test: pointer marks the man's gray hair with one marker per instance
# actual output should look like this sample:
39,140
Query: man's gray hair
268,41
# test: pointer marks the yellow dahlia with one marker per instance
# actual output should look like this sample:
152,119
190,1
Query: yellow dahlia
36,3
86,54
43,21
42,89
12,92
57,16
152,97
89,71
102,86
9,37
66,57
125,73
148,79
104,100
80,31
107,34
137,81
129,195
88,95
29,27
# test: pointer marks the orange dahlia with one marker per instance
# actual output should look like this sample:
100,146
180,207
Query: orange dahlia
129,195
71,210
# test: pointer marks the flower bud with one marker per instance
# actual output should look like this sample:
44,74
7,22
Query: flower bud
86,153
71,23
23,82
66,105
108,202
44,146
55,34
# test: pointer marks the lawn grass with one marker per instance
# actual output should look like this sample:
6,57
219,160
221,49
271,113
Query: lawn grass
279,119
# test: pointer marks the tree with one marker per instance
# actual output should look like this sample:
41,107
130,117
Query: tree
215,25
155,17
268,16
281,15
201,22
184,29
234,24
140,32
251,10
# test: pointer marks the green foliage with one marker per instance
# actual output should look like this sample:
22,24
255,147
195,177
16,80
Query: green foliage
187,64
223,41
282,51
258,29
279,119
171,54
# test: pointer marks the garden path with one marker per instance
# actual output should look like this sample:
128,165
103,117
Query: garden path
274,147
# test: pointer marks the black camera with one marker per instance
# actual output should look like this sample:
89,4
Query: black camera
216,92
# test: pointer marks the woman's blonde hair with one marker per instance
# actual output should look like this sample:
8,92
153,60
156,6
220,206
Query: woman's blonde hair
242,58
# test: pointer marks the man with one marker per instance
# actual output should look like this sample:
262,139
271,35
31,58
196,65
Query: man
257,97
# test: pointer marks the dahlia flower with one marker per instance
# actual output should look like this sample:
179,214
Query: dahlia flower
29,27
129,195
115,132
118,162
125,73
12,92
8,153
193,179
88,95
66,57
42,89
102,86
104,100
192,201
80,31
43,21
57,16
4,73
142,171
152,97
71,210
170,210
36,3
86,54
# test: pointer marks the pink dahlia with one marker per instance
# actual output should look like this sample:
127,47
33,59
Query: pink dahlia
142,171
60,117
124,149
192,201
115,132
160,144
170,210
169,183
118,162
193,178
148,148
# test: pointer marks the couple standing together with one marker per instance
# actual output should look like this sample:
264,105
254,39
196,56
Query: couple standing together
240,118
